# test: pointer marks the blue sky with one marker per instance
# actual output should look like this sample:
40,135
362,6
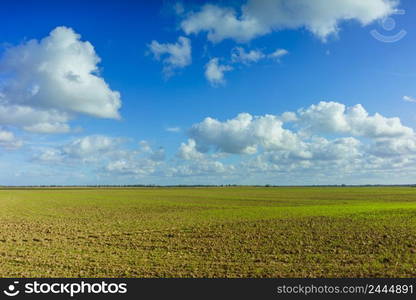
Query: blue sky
246,92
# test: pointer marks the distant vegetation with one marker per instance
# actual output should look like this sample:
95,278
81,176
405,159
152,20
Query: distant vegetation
198,185
208,232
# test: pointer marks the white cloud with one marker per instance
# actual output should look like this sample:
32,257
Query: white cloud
155,155
188,151
46,83
86,149
132,167
243,134
144,162
333,117
50,155
288,116
278,54
34,119
257,18
173,129
340,148
394,147
239,55
409,99
90,147
8,140
328,142
106,155
358,142
214,72
144,146
173,56
222,23
205,167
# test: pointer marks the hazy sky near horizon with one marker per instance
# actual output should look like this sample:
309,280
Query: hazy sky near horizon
207,92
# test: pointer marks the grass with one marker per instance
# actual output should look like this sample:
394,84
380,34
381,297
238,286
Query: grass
208,232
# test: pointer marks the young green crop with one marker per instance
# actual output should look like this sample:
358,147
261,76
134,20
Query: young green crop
208,232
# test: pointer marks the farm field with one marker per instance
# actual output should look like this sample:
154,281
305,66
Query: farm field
208,232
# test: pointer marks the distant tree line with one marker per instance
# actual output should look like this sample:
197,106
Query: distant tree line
197,185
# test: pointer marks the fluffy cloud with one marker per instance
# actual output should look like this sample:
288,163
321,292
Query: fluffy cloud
333,117
135,167
90,147
327,142
34,119
46,83
203,167
329,150
277,54
154,155
86,149
8,140
328,137
409,99
50,155
173,56
388,147
214,72
106,155
173,129
243,134
257,18
239,55
188,151
132,164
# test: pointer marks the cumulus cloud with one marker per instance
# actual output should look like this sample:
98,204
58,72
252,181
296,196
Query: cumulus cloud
48,82
8,140
205,167
239,55
131,163
333,117
173,56
50,155
394,147
322,143
256,18
214,72
192,162
243,134
106,155
327,137
341,148
155,155
188,151
132,167
86,149
90,147
173,129
144,146
278,54
409,99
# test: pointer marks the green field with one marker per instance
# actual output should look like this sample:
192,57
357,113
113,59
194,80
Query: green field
208,232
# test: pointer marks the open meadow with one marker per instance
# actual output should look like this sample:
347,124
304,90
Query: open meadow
208,232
